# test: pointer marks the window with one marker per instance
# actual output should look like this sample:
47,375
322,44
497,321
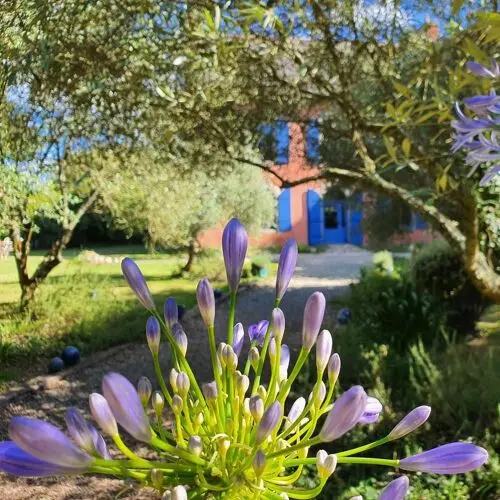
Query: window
274,142
284,211
312,136
331,217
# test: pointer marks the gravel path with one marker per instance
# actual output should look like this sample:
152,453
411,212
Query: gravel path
49,397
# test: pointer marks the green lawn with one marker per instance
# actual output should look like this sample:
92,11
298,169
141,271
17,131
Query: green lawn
90,305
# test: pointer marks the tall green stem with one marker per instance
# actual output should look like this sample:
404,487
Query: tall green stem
230,321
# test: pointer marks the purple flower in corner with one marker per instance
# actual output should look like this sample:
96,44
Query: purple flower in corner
395,490
257,332
483,71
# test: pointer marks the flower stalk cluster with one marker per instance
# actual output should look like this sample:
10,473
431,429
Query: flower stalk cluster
236,436
478,131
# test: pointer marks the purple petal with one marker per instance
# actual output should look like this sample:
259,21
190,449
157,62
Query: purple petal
490,175
153,334
413,420
480,70
313,318
99,443
234,249
238,338
137,283
286,267
79,429
270,420
395,490
206,301
453,458
46,442
170,312
372,411
257,332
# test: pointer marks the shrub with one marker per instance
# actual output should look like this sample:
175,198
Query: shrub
439,270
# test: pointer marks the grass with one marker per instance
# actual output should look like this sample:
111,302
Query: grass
89,305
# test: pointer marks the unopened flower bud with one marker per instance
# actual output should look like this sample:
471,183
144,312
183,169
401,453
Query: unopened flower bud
144,389
100,410
325,464
256,408
395,490
259,463
313,317
234,249
180,338
410,422
333,369
320,396
295,411
284,362
254,357
153,334
172,378
278,324
158,403
272,351
171,312
179,493
137,283
238,338
157,478
262,392
206,301
177,404
182,384
246,407
323,350
242,384
210,391
286,267
269,421
195,445
224,445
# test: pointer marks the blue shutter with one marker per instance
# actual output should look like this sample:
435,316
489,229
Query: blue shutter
282,138
284,211
312,142
418,222
315,217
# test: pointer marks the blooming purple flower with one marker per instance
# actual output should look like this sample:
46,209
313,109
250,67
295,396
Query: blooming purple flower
234,249
126,406
257,332
483,104
286,267
206,301
345,414
372,411
453,458
170,312
14,460
238,338
413,420
46,442
137,283
395,490
153,334
271,418
313,317
483,71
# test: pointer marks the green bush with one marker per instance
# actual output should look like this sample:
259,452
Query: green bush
439,270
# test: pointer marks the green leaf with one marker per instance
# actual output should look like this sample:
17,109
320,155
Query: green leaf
406,146
402,89
475,52
390,148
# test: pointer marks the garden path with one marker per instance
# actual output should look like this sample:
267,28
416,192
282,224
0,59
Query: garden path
48,398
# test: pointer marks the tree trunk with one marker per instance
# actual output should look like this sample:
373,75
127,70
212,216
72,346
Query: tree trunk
191,256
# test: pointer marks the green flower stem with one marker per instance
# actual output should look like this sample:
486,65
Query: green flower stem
230,321
106,470
162,445
297,447
178,429
274,377
125,450
271,495
215,368
366,447
344,460
175,468
299,492
296,369
286,480
263,353
161,380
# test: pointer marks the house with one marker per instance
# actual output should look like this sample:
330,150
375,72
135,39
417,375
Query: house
308,211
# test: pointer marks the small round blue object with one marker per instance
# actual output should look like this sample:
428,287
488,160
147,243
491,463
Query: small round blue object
56,365
181,310
71,355
343,316
217,293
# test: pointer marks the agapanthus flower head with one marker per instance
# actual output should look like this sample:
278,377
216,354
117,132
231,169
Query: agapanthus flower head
345,414
269,421
452,458
396,490
238,338
137,282
413,420
48,443
313,318
257,332
206,301
278,324
234,249
286,267
171,312
153,334
372,411
126,406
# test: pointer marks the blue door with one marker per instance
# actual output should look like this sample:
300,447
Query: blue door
334,222
315,217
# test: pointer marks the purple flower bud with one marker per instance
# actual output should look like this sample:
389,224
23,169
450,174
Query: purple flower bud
182,384
257,332
313,317
286,267
48,443
295,411
177,404
99,443
144,389
137,283
272,351
284,362
15,461
79,430
100,410
482,71
126,406
234,248
259,463
153,334
158,403
278,324
210,391
333,368
345,414
256,405
179,493
171,312
254,357
180,337
372,411
453,458
172,378
320,396
395,490
195,445
413,420
238,338
323,350
269,421
206,301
